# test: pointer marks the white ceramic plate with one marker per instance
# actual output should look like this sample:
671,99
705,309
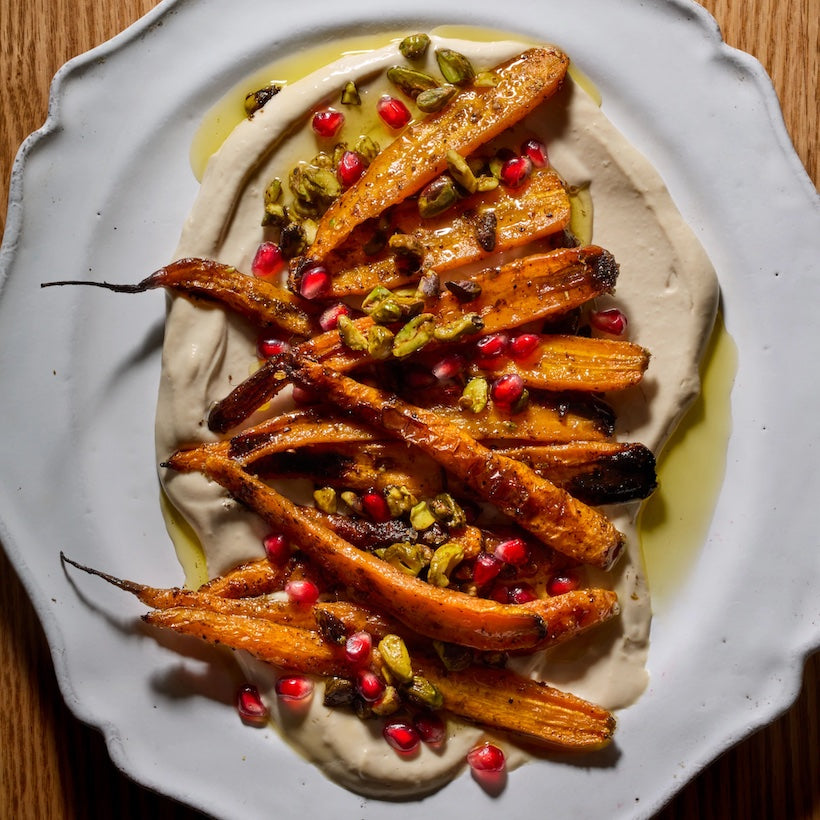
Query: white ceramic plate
101,192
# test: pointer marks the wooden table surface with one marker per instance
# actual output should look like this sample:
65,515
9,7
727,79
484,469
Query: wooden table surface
52,766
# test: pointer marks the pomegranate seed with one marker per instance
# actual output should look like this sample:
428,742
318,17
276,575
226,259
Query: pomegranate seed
393,112
330,317
267,260
507,389
537,153
277,548
559,584
268,348
302,592
516,171
295,687
610,321
486,568
486,758
250,706
449,367
492,346
358,646
523,345
430,727
374,504
521,594
500,593
402,736
417,378
513,551
351,166
301,395
371,687
326,123
315,282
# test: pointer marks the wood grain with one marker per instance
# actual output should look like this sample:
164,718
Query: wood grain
52,766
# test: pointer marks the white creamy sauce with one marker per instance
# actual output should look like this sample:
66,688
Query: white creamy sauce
666,287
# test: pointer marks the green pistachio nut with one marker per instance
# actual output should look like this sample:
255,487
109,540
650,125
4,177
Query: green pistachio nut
350,335
293,240
475,396
389,703
447,511
461,172
454,657
465,325
350,94
421,516
259,98
423,693
339,692
414,46
325,499
455,67
399,500
378,294
379,342
414,335
434,99
465,290
366,148
409,558
486,79
352,500
486,183
396,657
445,559
437,197
410,81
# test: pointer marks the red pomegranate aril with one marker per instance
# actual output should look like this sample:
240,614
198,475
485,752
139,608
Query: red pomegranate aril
486,758
326,123
559,584
500,593
249,705
277,548
301,395
521,593
450,367
267,260
430,727
486,568
329,319
537,153
523,345
358,647
611,321
492,346
393,112
315,282
402,736
351,166
375,505
507,389
302,591
516,171
371,687
294,688
267,348
513,551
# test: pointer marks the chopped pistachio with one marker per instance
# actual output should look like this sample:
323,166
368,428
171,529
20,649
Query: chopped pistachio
259,98
421,517
437,196
366,148
461,172
378,294
293,241
453,656
399,500
352,500
476,395
434,99
309,226
379,342
325,499
396,657
414,46
523,401
486,183
486,227
274,210
463,326
331,628
409,558
445,559
455,67
350,94
410,81
465,290
407,245
447,511
422,692
386,311
350,335
414,335
388,704
339,692
429,284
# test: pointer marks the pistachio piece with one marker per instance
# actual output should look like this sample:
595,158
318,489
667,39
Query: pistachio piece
321,181
366,148
350,335
378,294
350,94
407,245
388,704
429,285
409,558
447,511
455,67
437,197
396,657
379,342
424,693
259,98
476,395
410,81
414,335
325,499
339,692
421,517
486,183
274,211
434,99
414,46
293,241
463,326
454,657
461,172
465,290
352,500
445,559
399,500
386,311
486,226
331,628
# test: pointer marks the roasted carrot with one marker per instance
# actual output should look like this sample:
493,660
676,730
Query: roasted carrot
418,154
